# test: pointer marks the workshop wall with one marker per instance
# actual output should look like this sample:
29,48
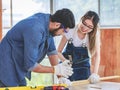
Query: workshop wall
110,52
0,19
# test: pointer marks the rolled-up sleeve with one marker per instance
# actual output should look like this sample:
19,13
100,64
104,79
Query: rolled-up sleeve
31,68
51,47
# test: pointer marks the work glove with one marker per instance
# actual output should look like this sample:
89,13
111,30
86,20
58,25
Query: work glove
63,69
69,63
63,80
94,78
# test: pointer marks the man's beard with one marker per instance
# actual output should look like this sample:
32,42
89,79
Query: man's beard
53,32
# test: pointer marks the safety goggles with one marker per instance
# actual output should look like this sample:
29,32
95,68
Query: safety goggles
62,26
88,26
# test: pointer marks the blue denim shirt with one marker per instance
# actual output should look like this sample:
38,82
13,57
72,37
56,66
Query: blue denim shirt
23,47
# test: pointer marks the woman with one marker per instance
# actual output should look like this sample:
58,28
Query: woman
83,47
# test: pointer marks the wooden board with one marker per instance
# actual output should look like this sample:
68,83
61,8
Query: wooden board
79,82
98,86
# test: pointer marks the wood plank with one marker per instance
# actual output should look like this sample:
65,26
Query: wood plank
79,82
98,86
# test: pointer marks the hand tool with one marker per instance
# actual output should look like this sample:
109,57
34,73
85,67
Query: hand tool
55,88
70,58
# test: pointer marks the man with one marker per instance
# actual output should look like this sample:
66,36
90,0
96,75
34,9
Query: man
28,42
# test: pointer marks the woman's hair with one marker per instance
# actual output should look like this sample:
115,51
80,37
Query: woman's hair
92,35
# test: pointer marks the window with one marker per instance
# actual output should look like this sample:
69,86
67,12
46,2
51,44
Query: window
25,8
6,16
15,10
78,7
109,10
110,13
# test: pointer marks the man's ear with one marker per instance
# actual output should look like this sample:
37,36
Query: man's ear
57,24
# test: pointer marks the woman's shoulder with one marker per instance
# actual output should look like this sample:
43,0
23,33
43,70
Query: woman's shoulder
70,33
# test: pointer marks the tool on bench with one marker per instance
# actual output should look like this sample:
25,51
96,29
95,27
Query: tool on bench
55,88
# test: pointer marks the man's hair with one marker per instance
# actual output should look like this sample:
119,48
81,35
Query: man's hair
65,17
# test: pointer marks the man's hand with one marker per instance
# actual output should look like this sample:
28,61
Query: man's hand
63,69
63,80
69,62
94,78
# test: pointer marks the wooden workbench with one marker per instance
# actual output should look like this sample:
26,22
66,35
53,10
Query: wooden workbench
98,86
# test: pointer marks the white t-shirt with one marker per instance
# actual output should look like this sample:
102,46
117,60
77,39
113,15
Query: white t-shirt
77,42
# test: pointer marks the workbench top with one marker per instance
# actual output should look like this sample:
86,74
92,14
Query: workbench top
98,86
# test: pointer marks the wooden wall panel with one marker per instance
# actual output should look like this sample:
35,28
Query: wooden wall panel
110,52
0,19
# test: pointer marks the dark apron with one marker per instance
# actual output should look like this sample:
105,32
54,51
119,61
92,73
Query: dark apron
80,61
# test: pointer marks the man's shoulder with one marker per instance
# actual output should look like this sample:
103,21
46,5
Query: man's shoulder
41,14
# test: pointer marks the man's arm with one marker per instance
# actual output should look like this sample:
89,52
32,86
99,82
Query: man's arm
43,69
53,59
61,47
62,69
